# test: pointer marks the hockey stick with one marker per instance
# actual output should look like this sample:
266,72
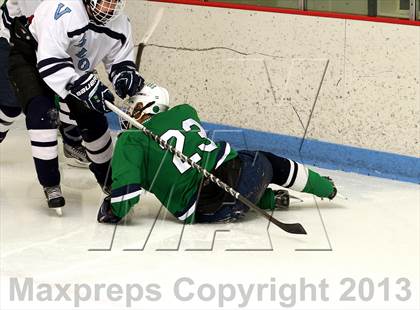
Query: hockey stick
295,228
147,36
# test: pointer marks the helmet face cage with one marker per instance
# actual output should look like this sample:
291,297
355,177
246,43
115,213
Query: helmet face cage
123,123
104,11
151,100
136,109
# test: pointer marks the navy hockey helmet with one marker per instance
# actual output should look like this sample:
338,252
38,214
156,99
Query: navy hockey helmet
103,11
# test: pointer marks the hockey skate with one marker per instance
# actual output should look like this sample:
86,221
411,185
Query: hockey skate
76,156
334,193
55,198
283,198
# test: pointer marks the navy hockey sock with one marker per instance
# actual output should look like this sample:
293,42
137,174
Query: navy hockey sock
98,144
68,127
70,134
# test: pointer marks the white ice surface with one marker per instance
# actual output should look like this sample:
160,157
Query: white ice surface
374,234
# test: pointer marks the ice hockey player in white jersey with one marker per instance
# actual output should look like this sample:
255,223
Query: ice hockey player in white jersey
10,108
71,37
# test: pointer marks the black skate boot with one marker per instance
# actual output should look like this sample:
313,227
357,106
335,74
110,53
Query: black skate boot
334,193
76,156
54,197
282,199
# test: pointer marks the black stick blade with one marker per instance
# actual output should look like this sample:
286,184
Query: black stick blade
294,228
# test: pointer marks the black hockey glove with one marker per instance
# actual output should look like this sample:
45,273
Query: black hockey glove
21,38
105,214
128,83
92,92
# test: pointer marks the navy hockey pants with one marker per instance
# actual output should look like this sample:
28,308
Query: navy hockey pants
256,174
7,95
9,106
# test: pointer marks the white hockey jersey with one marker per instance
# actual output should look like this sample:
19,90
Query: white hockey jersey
69,45
14,8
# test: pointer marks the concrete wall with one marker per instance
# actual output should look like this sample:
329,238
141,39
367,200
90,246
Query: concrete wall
262,71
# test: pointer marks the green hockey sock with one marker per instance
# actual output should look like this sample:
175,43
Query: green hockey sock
318,185
267,201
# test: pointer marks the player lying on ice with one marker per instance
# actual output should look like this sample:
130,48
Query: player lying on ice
139,163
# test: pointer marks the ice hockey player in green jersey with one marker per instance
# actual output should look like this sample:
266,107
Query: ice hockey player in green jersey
140,163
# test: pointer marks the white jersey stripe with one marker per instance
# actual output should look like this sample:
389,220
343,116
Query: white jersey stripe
190,211
125,197
221,160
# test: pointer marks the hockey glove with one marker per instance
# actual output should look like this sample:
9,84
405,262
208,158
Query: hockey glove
128,83
92,92
105,214
21,38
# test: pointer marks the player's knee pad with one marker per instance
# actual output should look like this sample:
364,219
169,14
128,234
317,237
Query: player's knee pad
41,121
41,113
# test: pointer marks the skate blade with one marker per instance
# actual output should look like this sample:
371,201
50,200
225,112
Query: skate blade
59,211
294,200
76,163
341,196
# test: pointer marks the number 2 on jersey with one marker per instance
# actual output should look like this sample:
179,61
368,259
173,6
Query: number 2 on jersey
180,141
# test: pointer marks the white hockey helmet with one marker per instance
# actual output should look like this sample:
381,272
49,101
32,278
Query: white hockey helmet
151,100
103,11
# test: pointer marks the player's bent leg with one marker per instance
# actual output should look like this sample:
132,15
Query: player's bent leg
96,140
74,151
291,174
41,122
68,127
7,116
37,102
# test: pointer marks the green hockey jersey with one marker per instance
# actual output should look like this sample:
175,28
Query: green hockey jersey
139,163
